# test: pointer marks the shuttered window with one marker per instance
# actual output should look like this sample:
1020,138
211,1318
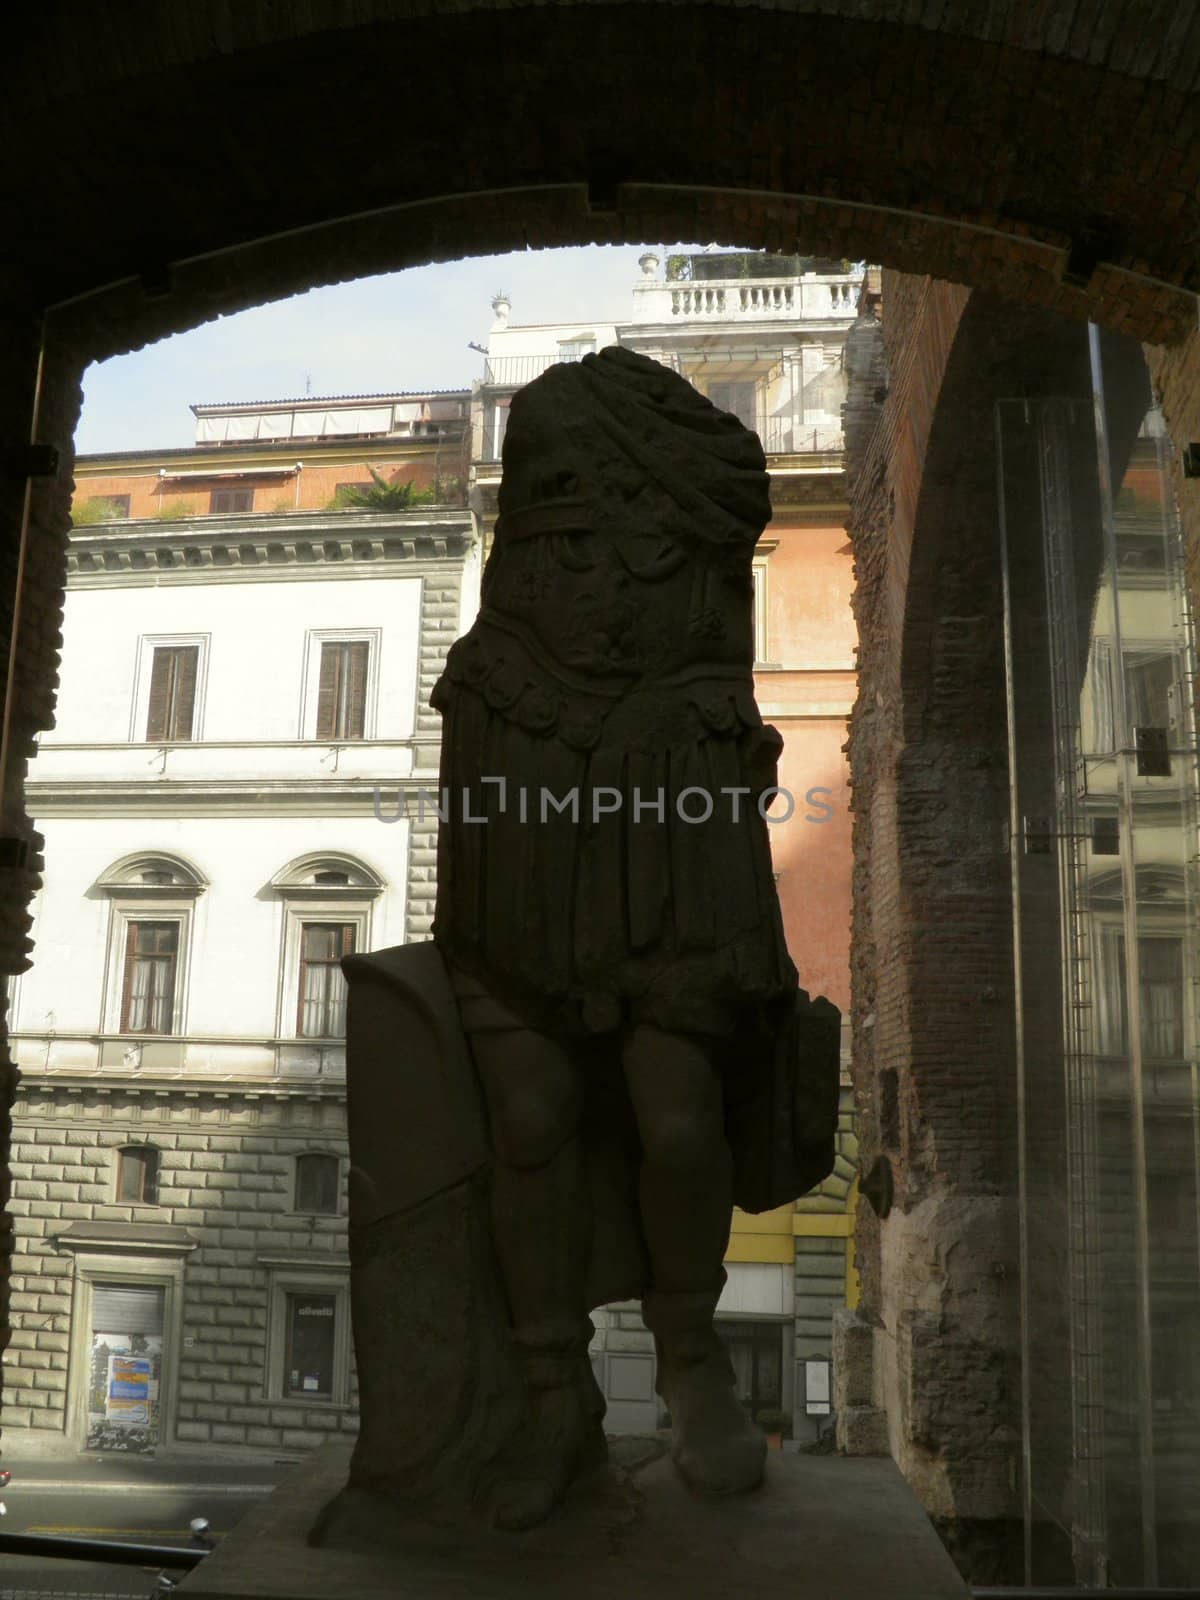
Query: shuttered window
342,692
148,994
124,1308
317,1183
173,692
137,1175
322,1013
226,500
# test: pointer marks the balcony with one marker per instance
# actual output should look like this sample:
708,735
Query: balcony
782,437
514,372
745,300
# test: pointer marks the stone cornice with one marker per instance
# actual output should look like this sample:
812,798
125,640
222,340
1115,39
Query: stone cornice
289,796
192,1086
240,549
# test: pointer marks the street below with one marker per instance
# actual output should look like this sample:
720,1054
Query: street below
131,1500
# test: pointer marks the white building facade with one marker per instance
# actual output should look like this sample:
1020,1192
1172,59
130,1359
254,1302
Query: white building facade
243,717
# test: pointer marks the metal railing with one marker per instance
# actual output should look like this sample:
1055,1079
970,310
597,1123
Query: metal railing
780,437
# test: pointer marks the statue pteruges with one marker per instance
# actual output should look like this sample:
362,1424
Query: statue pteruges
556,1104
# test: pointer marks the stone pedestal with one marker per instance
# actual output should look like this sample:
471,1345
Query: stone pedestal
820,1527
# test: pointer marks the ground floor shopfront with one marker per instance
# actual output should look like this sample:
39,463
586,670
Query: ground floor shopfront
180,1274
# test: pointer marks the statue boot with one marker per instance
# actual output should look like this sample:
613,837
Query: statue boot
716,1447
564,1437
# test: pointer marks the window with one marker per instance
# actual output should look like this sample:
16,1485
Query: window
172,709
495,429
1153,697
308,1334
148,991
1160,997
308,1363
326,915
342,689
576,349
231,500
317,1183
740,398
137,1175
758,616
322,1003
756,1351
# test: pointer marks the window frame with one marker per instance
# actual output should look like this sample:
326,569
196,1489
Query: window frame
127,908
310,699
345,905
285,1281
322,1155
348,925
168,959
1112,1040
231,511
155,1165
147,644
146,1270
758,579
576,347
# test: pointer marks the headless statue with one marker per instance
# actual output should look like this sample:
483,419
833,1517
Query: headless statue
626,929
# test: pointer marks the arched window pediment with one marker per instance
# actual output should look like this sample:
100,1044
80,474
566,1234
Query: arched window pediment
327,875
1158,884
153,875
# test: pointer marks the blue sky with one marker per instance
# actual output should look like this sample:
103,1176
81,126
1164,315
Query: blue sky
405,330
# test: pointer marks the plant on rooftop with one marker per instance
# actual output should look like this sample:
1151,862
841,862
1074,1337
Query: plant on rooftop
381,496
87,513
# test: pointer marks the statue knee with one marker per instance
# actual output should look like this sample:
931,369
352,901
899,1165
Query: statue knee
683,1139
533,1096
532,1129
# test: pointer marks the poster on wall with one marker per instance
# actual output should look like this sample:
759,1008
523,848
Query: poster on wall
125,1379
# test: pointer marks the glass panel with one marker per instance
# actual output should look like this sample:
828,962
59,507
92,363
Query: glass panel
308,1360
1101,678
150,976
322,987
137,1175
317,1184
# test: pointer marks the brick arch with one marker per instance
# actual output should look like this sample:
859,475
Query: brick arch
1047,159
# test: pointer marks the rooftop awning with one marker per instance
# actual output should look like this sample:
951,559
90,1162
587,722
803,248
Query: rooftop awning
234,472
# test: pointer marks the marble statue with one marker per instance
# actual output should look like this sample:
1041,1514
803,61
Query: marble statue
556,1104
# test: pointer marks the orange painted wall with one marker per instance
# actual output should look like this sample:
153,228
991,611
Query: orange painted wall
311,489
810,634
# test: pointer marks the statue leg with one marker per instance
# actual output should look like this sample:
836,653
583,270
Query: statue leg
686,1202
541,1224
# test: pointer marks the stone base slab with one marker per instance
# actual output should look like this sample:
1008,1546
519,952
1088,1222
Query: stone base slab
820,1528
